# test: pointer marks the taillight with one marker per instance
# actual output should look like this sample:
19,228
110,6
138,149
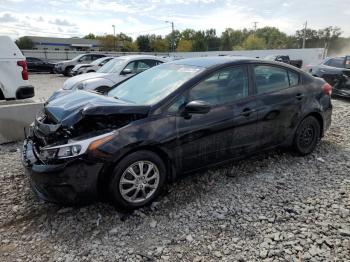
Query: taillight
23,64
327,89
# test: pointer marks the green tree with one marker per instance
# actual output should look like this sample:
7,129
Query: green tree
212,41
273,37
187,34
143,43
90,36
199,42
129,47
158,44
24,43
108,42
254,43
184,46
230,38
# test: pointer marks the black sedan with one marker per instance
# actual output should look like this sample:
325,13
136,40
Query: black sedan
172,119
38,65
336,71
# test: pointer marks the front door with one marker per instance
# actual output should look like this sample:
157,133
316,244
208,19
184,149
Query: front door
223,132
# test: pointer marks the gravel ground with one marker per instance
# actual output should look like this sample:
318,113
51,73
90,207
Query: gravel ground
272,207
45,85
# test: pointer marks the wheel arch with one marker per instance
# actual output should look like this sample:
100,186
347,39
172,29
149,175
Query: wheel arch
319,118
105,176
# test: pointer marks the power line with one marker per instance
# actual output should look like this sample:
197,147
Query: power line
145,31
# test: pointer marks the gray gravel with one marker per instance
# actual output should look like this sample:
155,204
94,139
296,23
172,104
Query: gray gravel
272,207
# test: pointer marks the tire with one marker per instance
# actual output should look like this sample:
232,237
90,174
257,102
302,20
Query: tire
122,195
67,71
2,97
307,136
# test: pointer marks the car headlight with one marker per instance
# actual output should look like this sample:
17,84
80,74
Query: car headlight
75,148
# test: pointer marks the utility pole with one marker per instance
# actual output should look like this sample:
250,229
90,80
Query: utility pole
255,25
304,36
114,43
173,35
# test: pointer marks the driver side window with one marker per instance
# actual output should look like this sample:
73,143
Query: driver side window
131,66
224,86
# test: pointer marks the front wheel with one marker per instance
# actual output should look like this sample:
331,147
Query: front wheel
137,180
307,135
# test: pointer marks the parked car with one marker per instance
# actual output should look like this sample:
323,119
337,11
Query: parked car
336,71
39,65
285,59
116,70
65,67
14,82
172,119
90,68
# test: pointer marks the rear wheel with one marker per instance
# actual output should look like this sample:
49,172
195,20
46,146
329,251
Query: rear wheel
307,136
2,97
137,180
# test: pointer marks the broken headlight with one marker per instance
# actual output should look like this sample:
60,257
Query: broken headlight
74,148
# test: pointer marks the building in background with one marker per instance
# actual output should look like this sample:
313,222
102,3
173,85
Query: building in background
67,44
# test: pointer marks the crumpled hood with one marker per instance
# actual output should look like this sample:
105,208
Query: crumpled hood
70,82
70,107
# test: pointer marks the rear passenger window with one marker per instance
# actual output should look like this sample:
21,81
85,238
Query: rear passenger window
270,78
225,86
293,78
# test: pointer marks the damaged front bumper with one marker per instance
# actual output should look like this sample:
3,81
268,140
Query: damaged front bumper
69,183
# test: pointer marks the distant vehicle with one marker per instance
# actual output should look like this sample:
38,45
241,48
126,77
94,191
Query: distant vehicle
170,120
285,59
336,71
116,70
65,67
90,68
13,72
39,65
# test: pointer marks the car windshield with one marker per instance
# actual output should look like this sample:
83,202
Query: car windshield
97,61
78,57
152,85
112,66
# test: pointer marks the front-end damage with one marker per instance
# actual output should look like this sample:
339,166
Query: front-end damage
61,151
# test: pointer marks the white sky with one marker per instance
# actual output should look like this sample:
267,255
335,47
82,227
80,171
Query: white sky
66,18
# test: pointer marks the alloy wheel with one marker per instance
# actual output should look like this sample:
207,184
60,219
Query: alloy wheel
139,181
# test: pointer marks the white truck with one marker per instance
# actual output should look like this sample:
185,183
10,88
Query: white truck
14,82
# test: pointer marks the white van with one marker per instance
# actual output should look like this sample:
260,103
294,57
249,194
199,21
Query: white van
13,72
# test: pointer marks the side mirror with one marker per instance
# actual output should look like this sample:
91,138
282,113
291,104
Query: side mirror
197,107
126,71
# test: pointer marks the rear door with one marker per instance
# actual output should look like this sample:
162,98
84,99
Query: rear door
279,97
227,130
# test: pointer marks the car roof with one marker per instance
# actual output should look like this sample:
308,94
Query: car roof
129,57
207,62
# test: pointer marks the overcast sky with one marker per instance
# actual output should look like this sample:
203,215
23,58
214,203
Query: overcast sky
65,18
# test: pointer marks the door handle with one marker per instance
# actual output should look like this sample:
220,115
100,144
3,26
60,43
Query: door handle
300,96
247,112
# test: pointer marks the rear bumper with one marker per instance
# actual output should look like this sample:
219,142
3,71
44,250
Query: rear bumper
24,92
70,183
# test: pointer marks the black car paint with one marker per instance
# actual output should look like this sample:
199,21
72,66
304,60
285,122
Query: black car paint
184,143
37,65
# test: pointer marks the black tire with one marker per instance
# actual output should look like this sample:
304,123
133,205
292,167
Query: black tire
132,160
2,97
67,71
307,136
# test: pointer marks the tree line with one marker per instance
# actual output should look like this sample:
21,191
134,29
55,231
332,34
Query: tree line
190,40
